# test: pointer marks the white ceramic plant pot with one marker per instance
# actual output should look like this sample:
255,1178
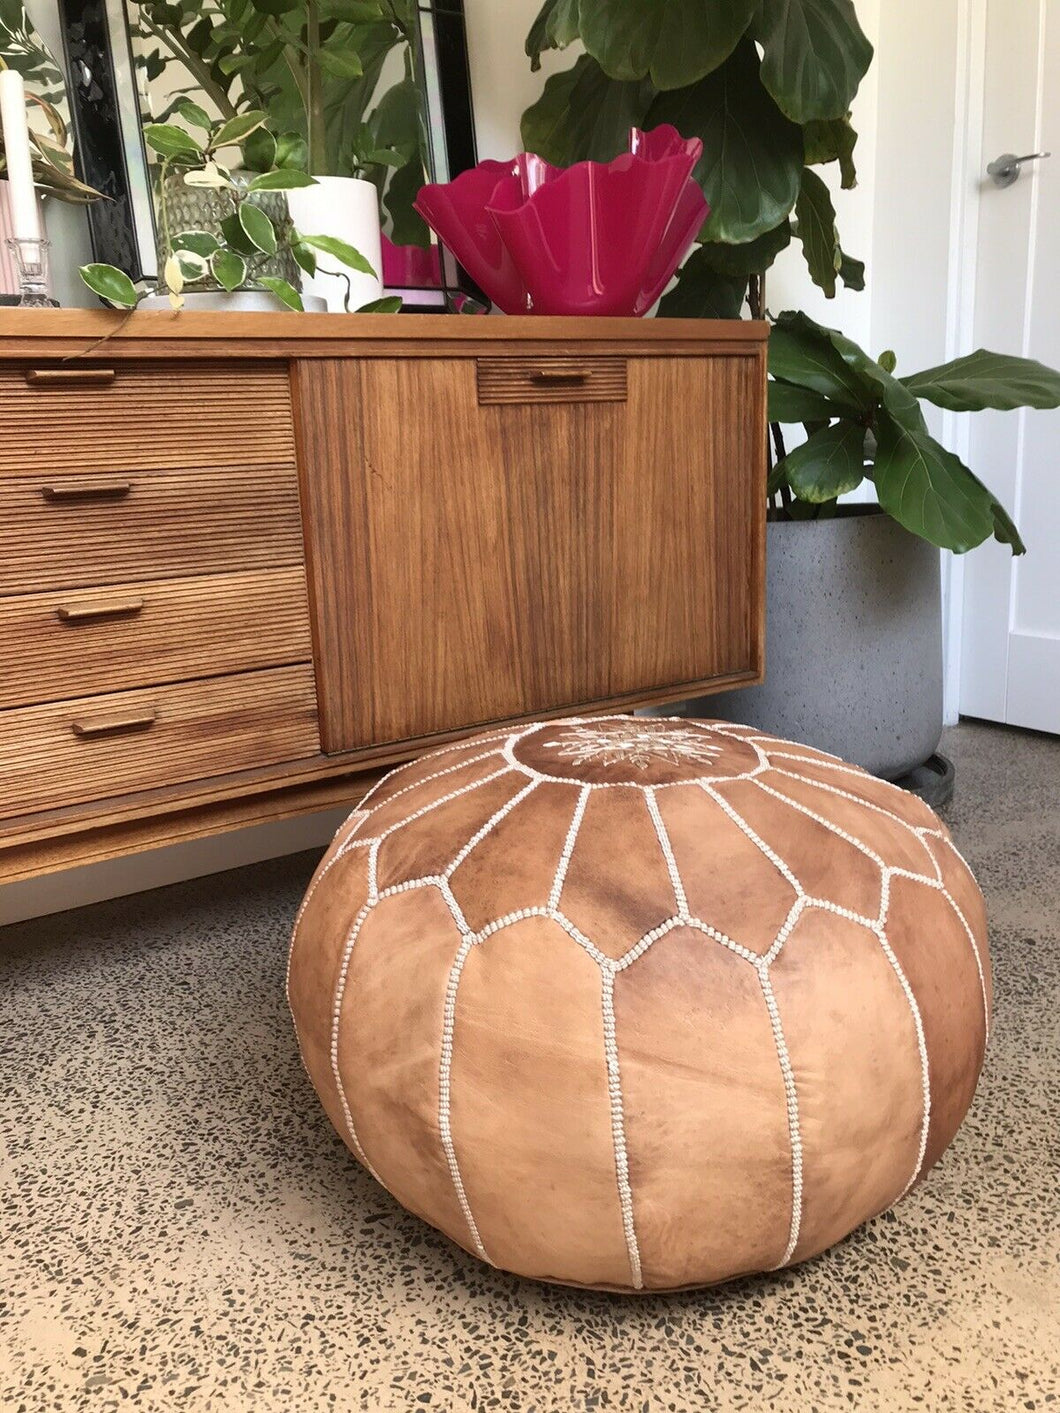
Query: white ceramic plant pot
240,301
346,207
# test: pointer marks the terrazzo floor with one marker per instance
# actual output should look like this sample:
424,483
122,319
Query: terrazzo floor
181,1229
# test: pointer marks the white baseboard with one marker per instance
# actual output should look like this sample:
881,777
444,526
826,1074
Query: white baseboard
136,873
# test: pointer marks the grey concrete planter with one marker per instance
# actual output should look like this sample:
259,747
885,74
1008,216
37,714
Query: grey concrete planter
853,643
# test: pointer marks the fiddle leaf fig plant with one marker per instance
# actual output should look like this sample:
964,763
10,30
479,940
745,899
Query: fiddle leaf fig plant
862,420
238,252
765,84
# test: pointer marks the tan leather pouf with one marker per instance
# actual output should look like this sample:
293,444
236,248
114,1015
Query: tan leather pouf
642,1003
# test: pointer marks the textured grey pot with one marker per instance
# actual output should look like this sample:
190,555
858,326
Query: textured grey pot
853,643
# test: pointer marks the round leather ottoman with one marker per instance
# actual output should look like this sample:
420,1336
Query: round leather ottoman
642,1003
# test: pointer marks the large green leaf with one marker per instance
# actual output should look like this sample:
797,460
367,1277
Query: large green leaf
236,237
169,140
202,243
702,292
556,26
753,257
672,42
932,493
584,115
816,229
832,140
389,304
801,352
829,463
872,381
752,155
281,181
110,284
788,403
340,250
257,228
284,291
852,273
237,129
814,55
341,63
229,269
985,379
407,226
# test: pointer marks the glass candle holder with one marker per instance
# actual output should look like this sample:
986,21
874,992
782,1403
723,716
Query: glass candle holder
31,264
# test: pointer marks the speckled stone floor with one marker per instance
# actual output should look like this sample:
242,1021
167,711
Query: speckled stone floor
180,1228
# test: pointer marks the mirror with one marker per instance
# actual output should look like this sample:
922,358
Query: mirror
371,88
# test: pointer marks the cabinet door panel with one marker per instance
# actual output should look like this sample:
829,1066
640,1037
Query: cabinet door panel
472,563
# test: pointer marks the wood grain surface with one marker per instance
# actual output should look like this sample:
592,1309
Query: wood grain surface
153,414
91,747
501,519
164,524
141,633
470,563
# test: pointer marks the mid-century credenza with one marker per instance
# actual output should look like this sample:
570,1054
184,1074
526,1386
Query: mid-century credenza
247,561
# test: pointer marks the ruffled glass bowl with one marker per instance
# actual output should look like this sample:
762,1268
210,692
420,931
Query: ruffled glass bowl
595,238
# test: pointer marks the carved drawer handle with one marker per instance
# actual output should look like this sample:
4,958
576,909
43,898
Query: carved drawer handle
554,376
86,490
69,377
86,612
111,725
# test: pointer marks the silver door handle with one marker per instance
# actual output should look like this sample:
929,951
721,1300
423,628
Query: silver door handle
1006,169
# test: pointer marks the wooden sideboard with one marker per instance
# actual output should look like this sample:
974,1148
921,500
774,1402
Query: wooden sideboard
248,561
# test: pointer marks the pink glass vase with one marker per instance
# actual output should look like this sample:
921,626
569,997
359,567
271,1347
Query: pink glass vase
596,238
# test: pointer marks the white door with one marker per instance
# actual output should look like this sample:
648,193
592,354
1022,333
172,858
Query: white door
1010,651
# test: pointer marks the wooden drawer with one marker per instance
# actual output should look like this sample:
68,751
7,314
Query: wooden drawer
93,747
157,414
70,644
551,378
69,531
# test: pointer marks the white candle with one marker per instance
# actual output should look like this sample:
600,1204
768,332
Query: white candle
25,219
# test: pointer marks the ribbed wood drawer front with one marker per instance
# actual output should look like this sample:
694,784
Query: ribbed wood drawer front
114,417
69,531
551,379
94,747
70,644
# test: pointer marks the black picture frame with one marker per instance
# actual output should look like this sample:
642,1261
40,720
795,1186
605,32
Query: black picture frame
111,157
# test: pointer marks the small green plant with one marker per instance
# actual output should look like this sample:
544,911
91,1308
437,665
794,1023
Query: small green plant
862,421
246,239
316,67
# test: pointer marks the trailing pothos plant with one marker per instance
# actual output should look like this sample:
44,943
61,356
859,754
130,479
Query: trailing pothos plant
765,84
245,239
862,420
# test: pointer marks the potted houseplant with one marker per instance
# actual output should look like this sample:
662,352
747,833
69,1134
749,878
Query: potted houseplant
858,586
234,245
767,86
314,67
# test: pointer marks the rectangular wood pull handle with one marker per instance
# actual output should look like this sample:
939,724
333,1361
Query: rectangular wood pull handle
86,490
112,725
86,612
69,377
559,375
